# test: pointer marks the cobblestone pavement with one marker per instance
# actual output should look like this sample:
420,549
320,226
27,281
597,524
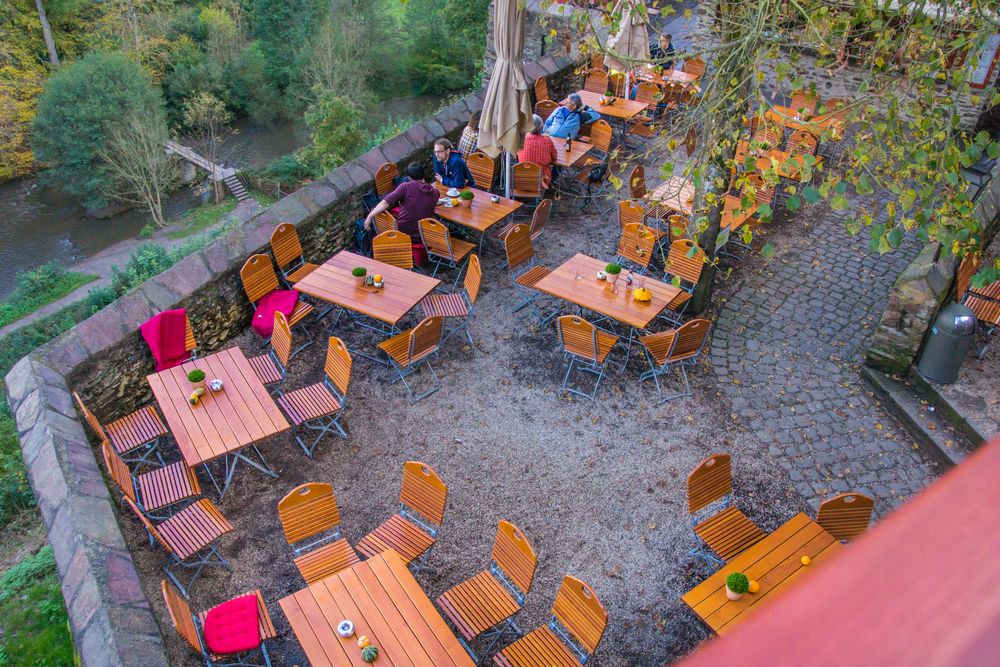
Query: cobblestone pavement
787,349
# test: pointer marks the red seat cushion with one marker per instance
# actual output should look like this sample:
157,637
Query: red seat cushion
233,627
280,299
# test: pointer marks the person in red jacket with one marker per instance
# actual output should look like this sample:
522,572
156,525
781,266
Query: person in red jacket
538,148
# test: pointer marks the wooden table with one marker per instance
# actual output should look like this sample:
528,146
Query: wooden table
384,602
482,214
774,563
223,423
596,295
788,166
622,109
576,151
675,193
792,119
647,73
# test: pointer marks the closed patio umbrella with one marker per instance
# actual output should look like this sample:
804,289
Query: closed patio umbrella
506,114
630,42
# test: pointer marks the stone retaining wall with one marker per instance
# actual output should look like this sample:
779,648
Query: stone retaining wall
105,359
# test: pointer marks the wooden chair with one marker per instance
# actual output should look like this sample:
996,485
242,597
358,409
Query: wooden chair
685,261
272,368
636,245
456,305
804,102
674,349
385,179
541,91
188,537
984,302
802,143
767,136
641,126
287,251
846,516
726,531
307,511
477,606
414,530
526,178
191,627
524,273
137,433
384,222
617,84
538,220
601,135
585,348
190,344
442,249
571,636
597,61
633,212
677,226
319,406
637,183
483,169
259,280
694,65
543,110
596,81
413,348
763,192
156,490
393,248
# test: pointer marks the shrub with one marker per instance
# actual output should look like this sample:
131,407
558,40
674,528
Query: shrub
15,492
197,375
38,287
337,135
34,628
359,271
613,269
737,582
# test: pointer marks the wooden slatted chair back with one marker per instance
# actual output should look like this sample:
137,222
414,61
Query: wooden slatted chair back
711,480
803,100
426,337
694,66
281,338
258,277
578,337
630,212
540,216
308,510
541,90
835,107
527,178
473,278
436,237
601,135
597,61
636,243
802,143
846,516
147,524
483,169
384,222
517,246
637,182
763,193
767,136
543,110
285,245
180,614
393,248
673,94
190,344
579,611
118,471
618,84
684,264
513,554
689,339
649,93
678,226
963,277
424,491
338,365
596,81
89,416
385,178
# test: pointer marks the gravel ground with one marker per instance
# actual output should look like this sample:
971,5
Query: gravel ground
598,487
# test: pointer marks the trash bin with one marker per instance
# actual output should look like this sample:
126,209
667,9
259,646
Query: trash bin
951,337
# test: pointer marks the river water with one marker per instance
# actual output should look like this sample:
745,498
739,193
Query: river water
41,224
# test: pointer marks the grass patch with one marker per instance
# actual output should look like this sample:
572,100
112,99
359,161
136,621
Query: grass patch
39,287
200,218
34,628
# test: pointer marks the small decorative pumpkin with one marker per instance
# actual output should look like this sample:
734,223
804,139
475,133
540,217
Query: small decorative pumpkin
369,653
805,560
363,641
642,294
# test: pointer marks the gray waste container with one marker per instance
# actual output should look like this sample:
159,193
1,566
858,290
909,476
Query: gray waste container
951,337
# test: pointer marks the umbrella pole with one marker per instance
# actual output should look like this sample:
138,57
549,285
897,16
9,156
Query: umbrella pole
506,175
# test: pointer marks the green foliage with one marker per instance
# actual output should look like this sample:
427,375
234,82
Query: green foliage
389,129
79,104
737,582
337,135
34,630
359,271
200,218
38,287
613,269
197,375
447,42
15,493
288,171
282,27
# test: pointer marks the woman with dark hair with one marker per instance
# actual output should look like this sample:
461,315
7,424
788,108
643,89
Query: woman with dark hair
412,201
470,137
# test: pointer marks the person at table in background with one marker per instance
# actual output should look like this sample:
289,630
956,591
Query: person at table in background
469,142
566,121
449,167
410,202
539,149
662,54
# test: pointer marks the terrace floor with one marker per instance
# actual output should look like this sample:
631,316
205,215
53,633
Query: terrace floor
598,487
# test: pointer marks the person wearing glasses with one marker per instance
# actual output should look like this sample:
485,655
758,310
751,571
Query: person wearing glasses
449,167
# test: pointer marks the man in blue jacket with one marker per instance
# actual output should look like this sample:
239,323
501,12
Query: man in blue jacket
449,167
567,119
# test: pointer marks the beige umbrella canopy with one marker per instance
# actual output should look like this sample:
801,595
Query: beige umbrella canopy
507,108
631,41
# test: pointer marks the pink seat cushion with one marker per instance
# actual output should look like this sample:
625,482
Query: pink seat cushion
233,627
165,334
280,299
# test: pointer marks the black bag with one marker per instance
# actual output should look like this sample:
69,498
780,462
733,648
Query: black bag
370,200
362,238
598,172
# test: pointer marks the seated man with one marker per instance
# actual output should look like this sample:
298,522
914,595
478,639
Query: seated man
415,200
565,122
539,149
449,167
662,54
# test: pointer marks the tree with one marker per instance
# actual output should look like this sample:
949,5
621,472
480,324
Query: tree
447,42
206,117
141,171
78,107
50,43
283,28
337,135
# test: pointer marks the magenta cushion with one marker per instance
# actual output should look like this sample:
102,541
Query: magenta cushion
280,299
233,627
165,334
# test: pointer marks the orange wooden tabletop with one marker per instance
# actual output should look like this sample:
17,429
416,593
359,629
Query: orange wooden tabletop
483,213
783,158
734,214
622,108
576,151
223,422
676,193
386,604
774,563
333,282
672,75
792,119
596,295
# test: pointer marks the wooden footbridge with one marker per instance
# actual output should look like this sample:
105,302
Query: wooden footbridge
216,172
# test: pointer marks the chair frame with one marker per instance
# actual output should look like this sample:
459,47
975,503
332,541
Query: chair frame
329,531
411,367
528,295
711,507
328,423
582,363
150,447
657,371
439,260
246,275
